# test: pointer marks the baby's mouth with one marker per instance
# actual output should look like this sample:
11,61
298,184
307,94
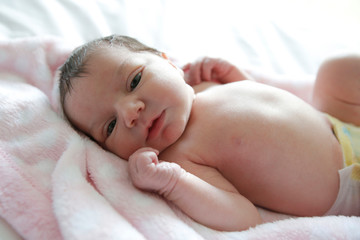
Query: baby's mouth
155,126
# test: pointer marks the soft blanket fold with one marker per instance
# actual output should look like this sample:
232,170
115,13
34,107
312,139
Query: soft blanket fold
55,184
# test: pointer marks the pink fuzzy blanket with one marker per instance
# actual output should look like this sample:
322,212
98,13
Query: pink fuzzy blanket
57,185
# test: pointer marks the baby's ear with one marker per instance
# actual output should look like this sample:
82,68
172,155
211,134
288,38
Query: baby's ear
172,64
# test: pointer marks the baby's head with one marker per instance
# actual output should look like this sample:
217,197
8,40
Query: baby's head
124,95
75,65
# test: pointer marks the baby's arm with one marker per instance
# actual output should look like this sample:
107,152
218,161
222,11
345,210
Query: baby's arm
217,205
213,70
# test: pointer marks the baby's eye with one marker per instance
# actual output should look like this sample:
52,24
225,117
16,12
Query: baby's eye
135,81
111,127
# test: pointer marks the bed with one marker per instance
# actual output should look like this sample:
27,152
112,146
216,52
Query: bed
56,184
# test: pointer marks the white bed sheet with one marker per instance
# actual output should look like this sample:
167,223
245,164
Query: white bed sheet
282,37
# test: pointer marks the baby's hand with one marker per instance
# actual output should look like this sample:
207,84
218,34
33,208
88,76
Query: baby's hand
212,69
148,173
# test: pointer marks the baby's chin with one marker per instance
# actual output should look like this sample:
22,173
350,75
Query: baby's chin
170,135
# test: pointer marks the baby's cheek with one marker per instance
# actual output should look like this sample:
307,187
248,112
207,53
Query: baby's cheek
122,150
172,133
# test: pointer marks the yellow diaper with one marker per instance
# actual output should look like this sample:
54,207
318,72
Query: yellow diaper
349,138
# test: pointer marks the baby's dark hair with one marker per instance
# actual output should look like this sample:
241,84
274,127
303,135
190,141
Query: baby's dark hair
76,64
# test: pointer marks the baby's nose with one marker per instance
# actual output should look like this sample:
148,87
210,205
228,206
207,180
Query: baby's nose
132,113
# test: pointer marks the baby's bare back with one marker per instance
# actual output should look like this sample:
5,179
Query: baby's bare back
274,148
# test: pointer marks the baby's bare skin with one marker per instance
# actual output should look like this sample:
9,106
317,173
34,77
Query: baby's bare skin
274,148
239,145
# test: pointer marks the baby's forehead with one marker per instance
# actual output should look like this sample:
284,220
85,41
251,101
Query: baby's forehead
119,51
112,55
118,56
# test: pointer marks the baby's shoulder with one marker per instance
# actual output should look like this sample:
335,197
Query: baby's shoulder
211,87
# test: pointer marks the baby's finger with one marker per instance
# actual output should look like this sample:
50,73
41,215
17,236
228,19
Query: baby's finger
186,70
142,158
194,74
146,149
207,69
186,67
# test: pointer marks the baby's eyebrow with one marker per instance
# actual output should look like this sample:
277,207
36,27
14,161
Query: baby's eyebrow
120,69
